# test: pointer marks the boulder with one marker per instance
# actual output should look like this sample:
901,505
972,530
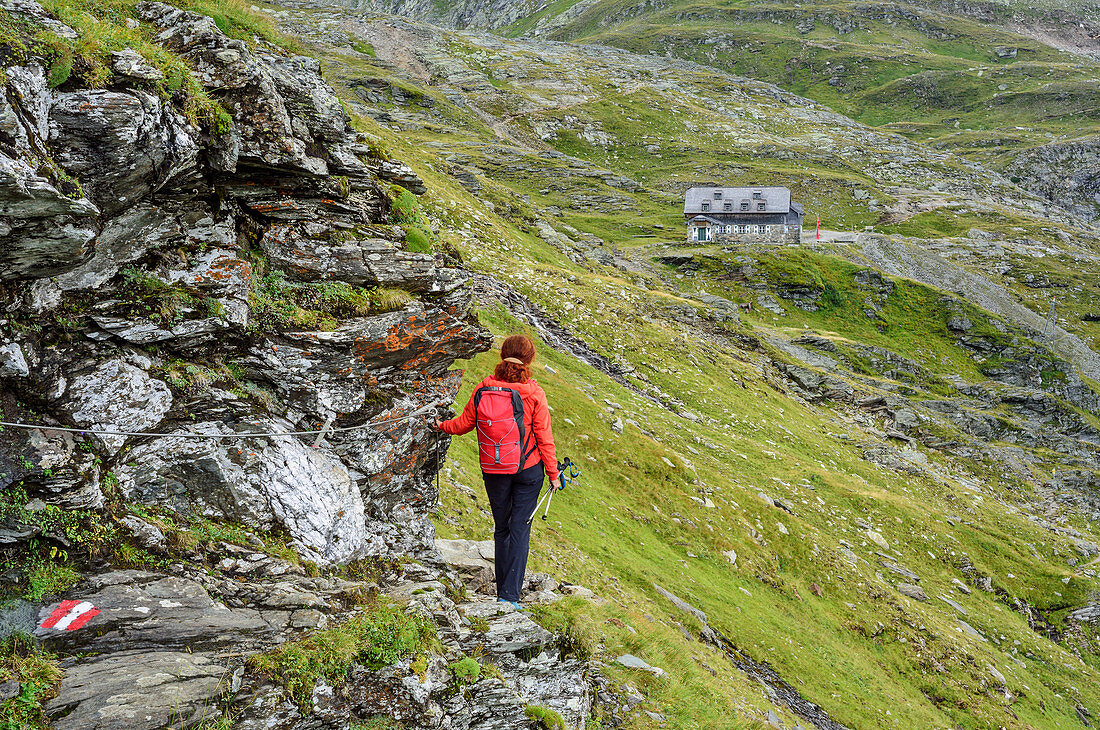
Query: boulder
137,691
148,611
915,592
129,62
122,145
632,662
682,604
12,362
469,556
263,482
876,537
148,536
117,396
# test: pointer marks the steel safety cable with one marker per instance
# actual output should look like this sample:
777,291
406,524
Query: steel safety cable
189,434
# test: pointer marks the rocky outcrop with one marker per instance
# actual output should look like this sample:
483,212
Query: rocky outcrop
470,14
1066,172
185,239
899,258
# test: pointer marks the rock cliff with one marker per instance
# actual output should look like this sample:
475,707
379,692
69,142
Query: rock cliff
182,294
208,280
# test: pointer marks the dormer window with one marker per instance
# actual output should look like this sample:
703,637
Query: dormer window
728,206
717,194
745,205
706,207
760,206
758,195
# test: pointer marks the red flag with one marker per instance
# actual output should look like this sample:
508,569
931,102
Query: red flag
818,228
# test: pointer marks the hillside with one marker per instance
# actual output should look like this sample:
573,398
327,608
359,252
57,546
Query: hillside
843,485
1011,85
565,143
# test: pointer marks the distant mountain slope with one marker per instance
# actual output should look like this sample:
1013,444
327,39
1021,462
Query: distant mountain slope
1011,86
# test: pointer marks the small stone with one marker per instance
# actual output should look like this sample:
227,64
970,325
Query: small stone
970,630
731,555
953,604
877,538
148,536
915,592
632,662
773,719
578,591
12,362
963,587
782,528
129,62
682,604
235,680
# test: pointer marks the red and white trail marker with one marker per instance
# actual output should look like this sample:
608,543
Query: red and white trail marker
70,616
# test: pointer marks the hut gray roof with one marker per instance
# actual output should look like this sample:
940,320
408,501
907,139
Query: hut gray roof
776,200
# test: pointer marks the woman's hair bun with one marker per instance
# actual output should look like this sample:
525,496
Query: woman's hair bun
516,347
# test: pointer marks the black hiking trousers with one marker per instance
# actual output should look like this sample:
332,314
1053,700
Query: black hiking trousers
512,498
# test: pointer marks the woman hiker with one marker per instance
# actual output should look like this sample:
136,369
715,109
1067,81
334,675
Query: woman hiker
516,449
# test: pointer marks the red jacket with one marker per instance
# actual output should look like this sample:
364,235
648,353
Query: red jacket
536,420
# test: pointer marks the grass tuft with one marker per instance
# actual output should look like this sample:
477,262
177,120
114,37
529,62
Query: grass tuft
378,635
38,674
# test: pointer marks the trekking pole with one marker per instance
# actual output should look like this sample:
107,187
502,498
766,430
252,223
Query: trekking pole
567,472
542,498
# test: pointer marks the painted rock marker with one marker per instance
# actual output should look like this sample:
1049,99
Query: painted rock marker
70,616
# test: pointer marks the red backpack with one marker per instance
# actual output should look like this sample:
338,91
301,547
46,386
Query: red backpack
501,440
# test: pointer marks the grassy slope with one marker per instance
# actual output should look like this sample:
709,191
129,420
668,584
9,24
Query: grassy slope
861,650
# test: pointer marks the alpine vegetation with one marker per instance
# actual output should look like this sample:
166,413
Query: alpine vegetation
777,329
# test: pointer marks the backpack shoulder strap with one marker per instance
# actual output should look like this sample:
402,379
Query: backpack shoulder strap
517,412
